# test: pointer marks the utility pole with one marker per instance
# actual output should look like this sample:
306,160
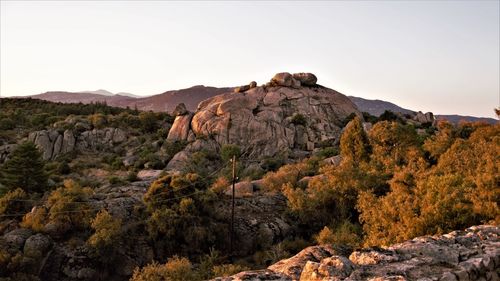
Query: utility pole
232,208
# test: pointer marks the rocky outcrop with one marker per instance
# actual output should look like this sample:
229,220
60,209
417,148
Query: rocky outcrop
180,128
241,189
259,221
473,254
306,79
284,116
245,88
53,143
5,150
424,117
180,109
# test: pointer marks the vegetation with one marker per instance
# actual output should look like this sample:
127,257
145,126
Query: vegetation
394,182
176,269
107,231
24,169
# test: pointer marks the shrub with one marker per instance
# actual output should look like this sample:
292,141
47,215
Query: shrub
98,120
176,269
299,119
228,151
7,124
346,234
67,206
107,231
225,270
220,184
14,202
114,180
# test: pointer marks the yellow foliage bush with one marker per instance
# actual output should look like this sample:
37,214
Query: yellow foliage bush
176,269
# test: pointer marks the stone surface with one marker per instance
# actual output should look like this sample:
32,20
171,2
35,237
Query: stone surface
180,109
180,128
473,254
52,142
306,79
241,189
263,121
148,174
424,118
37,245
293,266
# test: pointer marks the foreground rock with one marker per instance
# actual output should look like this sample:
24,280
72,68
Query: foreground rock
289,116
473,254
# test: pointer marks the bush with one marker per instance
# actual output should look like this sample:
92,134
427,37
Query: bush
346,234
7,124
225,270
114,180
14,202
66,206
176,269
220,184
299,119
228,151
107,231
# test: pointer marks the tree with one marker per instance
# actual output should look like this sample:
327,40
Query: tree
25,169
354,144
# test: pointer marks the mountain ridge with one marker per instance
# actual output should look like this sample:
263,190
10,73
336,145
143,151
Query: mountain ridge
192,96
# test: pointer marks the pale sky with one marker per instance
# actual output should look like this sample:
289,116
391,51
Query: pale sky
439,56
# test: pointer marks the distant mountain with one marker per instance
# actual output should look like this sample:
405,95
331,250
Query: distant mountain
458,118
127,95
98,92
192,96
166,101
83,97
377,107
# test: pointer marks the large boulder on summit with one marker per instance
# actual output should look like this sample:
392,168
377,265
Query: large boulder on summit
306,79
285,79
267,120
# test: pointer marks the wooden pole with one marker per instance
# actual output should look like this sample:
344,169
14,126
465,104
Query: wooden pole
232,208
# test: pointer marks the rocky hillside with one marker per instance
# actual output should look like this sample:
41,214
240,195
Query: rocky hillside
290,114
473,254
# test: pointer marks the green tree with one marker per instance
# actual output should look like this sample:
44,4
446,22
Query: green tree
25,169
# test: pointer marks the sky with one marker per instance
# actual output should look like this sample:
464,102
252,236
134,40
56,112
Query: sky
439,56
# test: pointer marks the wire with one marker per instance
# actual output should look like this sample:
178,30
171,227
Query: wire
93,209
204,179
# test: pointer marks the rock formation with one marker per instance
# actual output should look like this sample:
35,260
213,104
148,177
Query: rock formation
473,254
291,114
53,143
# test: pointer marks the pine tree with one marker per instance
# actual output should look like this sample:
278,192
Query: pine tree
25,169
